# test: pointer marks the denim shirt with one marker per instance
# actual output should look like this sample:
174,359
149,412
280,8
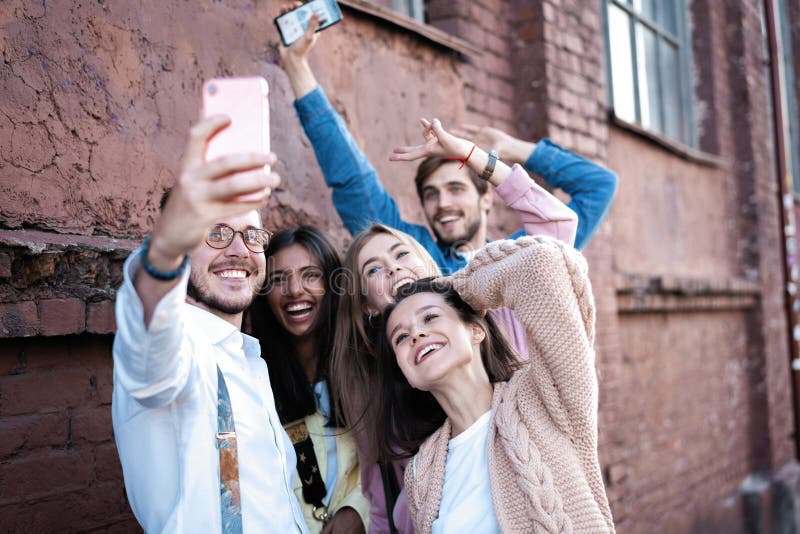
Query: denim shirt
361,200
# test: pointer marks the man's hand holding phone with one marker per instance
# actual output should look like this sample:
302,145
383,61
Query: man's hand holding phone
207,192
293,20
294,57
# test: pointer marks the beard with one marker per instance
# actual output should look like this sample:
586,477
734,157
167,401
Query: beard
199,291
464,238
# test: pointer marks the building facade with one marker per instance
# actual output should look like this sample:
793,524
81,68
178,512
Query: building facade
694,104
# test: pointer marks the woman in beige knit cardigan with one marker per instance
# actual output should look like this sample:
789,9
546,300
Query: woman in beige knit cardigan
516,449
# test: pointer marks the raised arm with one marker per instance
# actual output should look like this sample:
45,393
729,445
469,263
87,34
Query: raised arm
358,196
540,212
591,186
149,352
545,283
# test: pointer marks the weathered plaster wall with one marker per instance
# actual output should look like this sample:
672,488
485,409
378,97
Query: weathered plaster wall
97,98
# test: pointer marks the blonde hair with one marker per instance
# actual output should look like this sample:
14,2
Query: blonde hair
353,361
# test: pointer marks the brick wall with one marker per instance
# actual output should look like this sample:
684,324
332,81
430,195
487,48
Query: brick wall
60,469
691,335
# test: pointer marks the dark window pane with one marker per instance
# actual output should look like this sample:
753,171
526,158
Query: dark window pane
619,38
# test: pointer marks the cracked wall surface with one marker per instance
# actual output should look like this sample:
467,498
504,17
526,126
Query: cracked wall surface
96,98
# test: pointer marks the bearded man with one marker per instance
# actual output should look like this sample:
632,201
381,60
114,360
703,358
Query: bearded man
201,445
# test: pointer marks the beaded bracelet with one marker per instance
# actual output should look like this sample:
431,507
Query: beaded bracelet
164,276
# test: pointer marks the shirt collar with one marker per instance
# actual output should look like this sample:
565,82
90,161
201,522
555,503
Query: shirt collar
223,333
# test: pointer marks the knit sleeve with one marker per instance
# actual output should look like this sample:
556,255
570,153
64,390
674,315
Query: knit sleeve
546,284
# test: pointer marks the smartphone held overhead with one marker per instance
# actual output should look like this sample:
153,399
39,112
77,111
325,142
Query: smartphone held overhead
246,102
292,25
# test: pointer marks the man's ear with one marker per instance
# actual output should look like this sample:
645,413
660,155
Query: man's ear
485,202
477,333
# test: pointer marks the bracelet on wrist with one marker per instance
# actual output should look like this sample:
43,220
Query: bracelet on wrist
490,163
464,160
164,276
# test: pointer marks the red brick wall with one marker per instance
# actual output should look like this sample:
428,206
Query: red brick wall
691,334
60,470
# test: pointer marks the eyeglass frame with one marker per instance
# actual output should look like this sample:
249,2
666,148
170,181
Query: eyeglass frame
233,236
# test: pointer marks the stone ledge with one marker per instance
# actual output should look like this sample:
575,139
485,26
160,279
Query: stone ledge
59,284
647,293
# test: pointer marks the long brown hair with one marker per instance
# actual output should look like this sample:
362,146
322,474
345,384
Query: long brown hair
403,417
353,362
294,395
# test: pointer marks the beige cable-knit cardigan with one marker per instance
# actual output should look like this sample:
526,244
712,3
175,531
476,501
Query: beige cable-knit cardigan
542,445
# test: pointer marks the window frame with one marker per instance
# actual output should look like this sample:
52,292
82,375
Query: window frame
789,93
413,9
682,40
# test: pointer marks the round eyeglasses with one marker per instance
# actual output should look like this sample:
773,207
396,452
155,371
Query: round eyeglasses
221,236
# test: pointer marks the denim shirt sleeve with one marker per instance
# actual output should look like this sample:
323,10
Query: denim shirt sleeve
358,195
591,186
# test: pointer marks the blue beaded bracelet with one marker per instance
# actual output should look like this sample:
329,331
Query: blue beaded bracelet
155,273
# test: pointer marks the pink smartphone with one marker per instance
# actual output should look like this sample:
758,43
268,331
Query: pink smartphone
246,102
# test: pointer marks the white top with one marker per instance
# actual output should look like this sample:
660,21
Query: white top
165,418
466,504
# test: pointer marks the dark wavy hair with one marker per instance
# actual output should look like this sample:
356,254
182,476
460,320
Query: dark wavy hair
405,416
294,395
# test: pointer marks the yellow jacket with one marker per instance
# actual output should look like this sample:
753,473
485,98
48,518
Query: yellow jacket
348,480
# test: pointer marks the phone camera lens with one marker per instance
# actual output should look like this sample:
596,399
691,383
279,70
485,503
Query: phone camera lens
212,89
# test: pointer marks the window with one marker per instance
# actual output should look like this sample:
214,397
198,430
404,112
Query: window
789,96
414,9
649,58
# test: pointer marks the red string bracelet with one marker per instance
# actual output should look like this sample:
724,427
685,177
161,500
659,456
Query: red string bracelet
465,160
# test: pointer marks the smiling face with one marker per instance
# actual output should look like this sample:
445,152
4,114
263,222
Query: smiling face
296,289
385,264
456,211
430,341
225,281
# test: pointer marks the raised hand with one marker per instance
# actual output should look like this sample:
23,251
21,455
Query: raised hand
438,142
486,137
207,192
508,148
294,57
298,50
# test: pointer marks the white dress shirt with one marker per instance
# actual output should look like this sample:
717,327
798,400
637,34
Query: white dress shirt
165,418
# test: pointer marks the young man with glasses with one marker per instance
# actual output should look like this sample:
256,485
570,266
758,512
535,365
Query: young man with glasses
201,445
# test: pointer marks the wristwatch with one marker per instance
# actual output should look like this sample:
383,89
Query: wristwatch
489,170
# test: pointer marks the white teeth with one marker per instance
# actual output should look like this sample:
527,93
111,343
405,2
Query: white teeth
427,350
447,219
298,307
401,283
230,273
